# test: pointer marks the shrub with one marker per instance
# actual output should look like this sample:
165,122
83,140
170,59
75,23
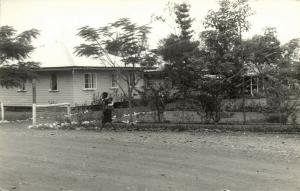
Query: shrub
210,105
277,118
84,113
157,96
294,119
123,104
97,99
253,106
62,119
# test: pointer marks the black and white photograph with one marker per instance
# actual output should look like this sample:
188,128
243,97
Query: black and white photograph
149,95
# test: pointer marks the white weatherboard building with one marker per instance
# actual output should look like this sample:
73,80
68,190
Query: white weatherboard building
66,78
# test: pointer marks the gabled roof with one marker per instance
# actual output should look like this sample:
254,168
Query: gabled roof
58,55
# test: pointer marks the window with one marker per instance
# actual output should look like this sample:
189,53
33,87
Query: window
148,83
132,79
90,81
114,82
53,82
22,87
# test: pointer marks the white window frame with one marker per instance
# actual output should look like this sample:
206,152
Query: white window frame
53,90
92,83
132,79
114,80
22,87
148,83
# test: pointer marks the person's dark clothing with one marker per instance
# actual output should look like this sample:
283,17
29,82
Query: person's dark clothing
107,112
107,116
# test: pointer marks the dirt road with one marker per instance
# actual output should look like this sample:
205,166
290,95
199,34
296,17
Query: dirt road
42,160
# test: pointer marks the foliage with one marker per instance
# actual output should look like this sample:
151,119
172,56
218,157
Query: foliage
289,66
119,41
209,100
263,52
158,96
221,56
121,38
84,113
222,37
180,52
97,101
253,106
14,52
183,20
274,64
277,118
278,99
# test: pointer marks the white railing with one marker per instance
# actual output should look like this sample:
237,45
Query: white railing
34,106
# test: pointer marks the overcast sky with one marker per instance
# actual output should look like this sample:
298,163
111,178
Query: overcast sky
59,19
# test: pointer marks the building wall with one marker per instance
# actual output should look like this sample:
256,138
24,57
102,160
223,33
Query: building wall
70,89
104,84
83,96
13,97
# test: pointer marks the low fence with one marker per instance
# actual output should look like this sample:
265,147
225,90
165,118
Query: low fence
59,112
36,106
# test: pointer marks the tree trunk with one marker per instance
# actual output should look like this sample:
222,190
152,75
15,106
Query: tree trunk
157,106
244,99
130,110
217,112
158,116
130,105
184,106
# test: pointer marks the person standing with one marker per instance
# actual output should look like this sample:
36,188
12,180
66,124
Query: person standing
107,111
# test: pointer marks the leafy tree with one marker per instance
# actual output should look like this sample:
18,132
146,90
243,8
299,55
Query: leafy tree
263,52
158,96
180,52
184,20
262,55
222,37
223,56
274,64
291,61
14,54
287,80
122,41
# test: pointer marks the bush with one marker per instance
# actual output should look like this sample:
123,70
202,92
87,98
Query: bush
62,119
97,99
253,106
135,103
210,105
123,104
84,114
294,119
157,97
277,118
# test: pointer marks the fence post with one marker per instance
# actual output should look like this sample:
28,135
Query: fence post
33,102
33,114
69,111
2,110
